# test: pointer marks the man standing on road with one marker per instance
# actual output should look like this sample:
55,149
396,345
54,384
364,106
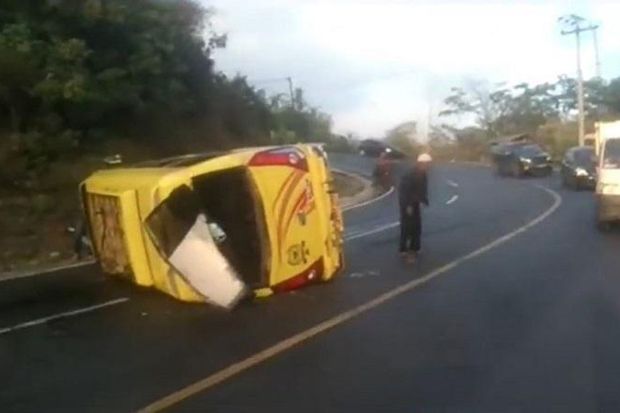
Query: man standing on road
412,191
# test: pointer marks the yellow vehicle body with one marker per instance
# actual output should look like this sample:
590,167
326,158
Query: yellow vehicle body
273,206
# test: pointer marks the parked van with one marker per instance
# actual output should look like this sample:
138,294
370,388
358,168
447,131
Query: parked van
214,227
607,137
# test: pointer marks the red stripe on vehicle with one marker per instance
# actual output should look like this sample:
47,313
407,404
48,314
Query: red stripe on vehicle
310,275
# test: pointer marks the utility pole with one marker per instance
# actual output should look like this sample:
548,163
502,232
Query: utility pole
574,23
290,91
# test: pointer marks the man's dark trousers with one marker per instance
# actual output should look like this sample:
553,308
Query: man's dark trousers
410,228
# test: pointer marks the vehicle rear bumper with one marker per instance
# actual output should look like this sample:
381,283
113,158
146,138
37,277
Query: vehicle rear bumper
608,207
537,170
586,182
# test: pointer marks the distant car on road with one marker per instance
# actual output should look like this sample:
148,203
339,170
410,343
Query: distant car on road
579,168
374,148
519,159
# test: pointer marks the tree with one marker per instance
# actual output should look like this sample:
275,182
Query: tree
501,110
307,124
611,97
486,105
76,74
19,71
404,137
545,111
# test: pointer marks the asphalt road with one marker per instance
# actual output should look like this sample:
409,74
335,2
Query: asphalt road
531,323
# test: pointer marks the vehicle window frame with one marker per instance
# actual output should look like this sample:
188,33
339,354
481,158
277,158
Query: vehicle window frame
520,151
603,160
591,155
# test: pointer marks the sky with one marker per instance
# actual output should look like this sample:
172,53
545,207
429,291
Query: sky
373,64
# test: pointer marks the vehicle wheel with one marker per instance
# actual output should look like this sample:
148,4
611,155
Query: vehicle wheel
515,170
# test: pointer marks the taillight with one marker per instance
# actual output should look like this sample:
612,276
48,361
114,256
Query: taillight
310,275
282,157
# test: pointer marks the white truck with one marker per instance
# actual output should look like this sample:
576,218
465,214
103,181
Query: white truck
607,147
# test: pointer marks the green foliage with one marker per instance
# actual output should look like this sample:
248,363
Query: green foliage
524,108
442,143
307,124
610,97
403,137
82,79
545,111
557,136
74,74
339,143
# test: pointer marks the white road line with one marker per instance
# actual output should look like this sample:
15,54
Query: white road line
53,317
79,311
452,200
299,338
372,231
452,183
26,274
370,201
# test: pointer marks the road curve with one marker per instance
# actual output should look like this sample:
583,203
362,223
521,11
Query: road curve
530,326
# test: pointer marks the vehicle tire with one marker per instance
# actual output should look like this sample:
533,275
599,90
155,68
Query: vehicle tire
515,170
564,182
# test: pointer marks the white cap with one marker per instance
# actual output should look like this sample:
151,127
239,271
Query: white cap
424,157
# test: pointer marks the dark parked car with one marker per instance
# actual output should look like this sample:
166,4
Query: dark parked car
374,148
519,159
579,168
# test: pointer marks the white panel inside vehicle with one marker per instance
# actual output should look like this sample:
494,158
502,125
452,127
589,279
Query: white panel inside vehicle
199,260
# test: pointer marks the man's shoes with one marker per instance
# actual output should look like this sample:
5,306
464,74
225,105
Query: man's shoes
410,258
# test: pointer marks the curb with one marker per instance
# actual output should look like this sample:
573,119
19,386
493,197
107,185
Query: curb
367,196
366,193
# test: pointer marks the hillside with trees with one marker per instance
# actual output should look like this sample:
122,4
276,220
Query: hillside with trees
546,111
83,79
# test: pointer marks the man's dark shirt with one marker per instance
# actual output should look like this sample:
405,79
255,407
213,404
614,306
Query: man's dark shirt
413,188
